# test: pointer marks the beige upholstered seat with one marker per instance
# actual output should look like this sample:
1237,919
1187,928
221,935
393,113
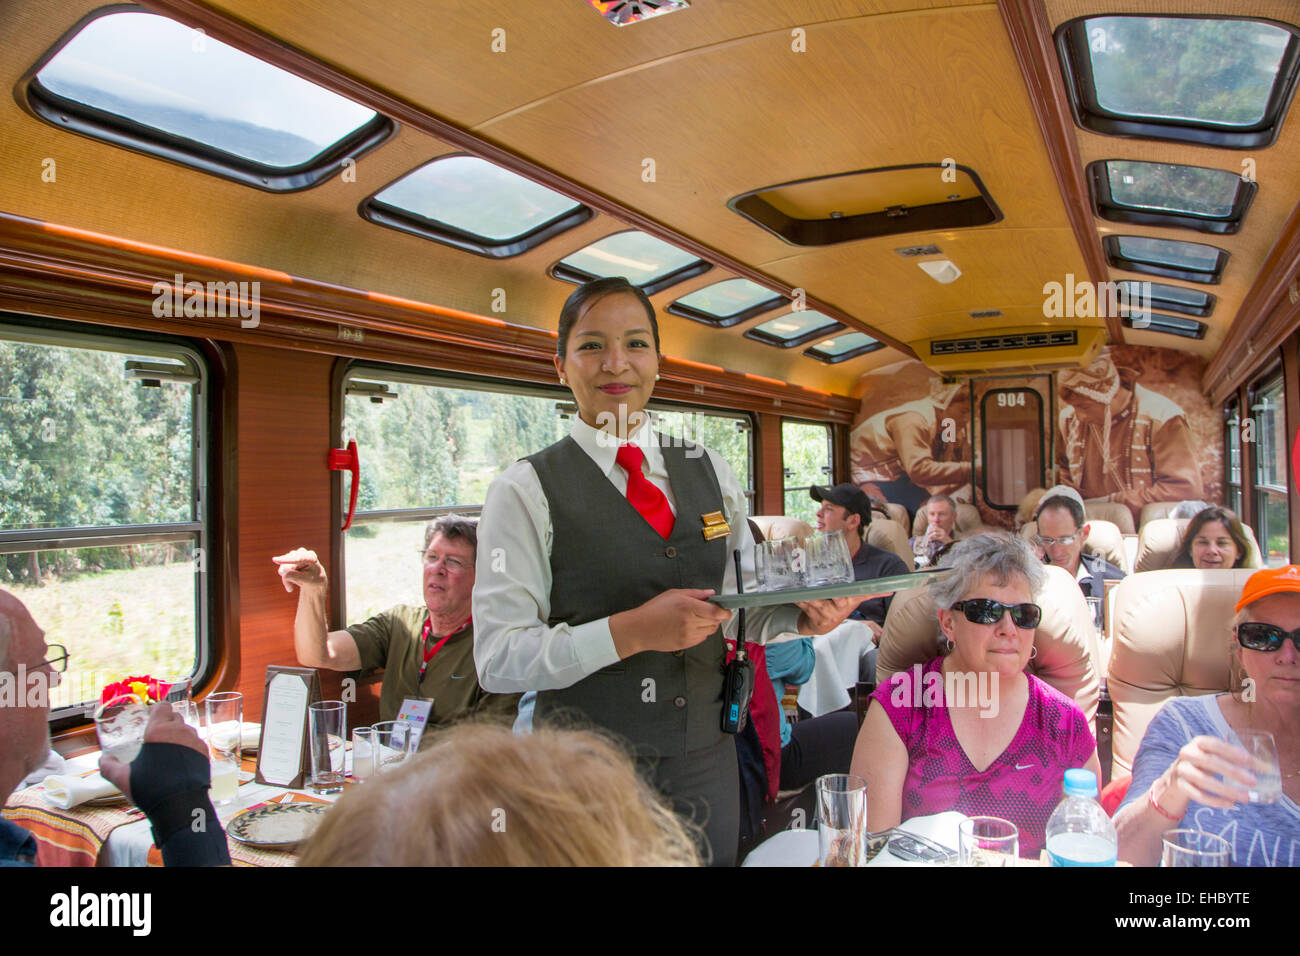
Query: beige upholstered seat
1154,510
1104,541
890,536
1172,631
1159,539
968,520
897,513
1067,658
781,526
1117,514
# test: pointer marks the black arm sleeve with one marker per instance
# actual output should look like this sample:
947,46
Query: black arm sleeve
169,783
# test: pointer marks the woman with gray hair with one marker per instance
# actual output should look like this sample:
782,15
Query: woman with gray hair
971,731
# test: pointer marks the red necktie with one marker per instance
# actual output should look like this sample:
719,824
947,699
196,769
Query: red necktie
648,500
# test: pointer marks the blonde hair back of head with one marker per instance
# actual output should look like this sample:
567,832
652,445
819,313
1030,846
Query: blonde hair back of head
483,796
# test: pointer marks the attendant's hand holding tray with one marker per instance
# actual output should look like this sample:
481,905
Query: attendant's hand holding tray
864,588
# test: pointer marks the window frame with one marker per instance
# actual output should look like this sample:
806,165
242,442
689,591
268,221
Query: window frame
827,359
1076,69
1260,494
1167,304
774,301
375,210
1117,260
346,369
1107,207
567,273
204,531
120,131
830,454
1234,491
767,338
1167,325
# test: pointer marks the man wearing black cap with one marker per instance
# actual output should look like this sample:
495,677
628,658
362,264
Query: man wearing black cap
847,509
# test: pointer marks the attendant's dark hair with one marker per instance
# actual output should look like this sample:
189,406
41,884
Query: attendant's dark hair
1183,558
588,294
1065,503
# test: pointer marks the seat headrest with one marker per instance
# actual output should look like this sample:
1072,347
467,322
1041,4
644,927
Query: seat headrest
1172,632
897,513
889,535
1068,657
1159,539
1117,514
1155,509
1104,541
781,526
968,520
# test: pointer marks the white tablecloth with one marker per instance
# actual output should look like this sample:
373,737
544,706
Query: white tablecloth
800,847
839,653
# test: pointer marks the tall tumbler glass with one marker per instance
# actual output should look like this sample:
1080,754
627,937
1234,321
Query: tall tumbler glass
842,819
224,727
1194,848
327,731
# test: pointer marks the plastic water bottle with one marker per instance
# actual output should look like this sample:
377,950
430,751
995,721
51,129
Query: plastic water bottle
1079,833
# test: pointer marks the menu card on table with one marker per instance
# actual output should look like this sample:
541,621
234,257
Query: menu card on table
282,754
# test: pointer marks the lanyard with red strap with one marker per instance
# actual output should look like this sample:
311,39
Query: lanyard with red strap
430,651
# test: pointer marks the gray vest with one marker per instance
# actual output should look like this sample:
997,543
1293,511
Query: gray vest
606,558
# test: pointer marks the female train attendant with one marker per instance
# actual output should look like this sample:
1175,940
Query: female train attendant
596,556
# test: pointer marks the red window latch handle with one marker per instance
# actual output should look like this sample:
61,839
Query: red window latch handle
346,459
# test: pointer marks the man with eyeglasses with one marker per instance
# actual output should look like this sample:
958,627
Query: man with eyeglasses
1062,533
425,650
168,780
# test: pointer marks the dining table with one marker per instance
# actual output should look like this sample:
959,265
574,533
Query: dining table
118,834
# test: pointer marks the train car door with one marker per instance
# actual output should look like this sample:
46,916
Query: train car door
1012,443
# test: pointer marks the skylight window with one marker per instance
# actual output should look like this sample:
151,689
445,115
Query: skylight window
794,328
726,303
1171,297
1219,81
843,347
1168,324
1193,261
148,83
474,205
1169,194
643,260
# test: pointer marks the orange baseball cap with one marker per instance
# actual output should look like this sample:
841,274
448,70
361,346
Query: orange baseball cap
1270,581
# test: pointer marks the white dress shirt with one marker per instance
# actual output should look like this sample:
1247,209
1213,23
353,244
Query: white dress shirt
514,648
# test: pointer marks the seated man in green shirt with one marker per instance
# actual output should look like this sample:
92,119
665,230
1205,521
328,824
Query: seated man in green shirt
425,650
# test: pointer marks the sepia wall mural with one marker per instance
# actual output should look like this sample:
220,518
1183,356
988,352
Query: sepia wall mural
1132,427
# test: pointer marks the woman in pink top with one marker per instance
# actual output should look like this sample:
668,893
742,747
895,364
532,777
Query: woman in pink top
972,731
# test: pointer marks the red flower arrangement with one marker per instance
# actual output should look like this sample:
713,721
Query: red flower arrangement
146,689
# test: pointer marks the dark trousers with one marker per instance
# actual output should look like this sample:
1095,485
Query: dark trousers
703,787
818,746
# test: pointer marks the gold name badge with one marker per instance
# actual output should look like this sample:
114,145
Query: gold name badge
715,526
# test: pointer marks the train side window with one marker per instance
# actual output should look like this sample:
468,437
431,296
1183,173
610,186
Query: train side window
1232,459
1012,421
103,502
431,445
1271,522
806,456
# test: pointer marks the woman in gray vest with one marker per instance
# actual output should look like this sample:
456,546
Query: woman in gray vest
595,559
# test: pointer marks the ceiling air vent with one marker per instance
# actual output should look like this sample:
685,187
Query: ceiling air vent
986,314
912,252
622,12
1001,349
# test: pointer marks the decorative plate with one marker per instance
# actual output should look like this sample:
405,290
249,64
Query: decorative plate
277,826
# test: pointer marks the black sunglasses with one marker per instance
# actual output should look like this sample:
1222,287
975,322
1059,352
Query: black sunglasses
984,611
1258,636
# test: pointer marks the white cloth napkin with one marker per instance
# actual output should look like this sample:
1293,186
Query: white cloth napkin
66,790
249,736
54,763
838,653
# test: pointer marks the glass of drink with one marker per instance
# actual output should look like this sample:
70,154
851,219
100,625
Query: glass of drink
179,688
988,841
224,725
1266,767
326,729
828,559
842,819
119,724
1194,848
364,752
394,743
779,564
1095,608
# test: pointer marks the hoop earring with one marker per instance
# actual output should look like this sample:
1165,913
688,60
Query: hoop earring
947,646
1033,652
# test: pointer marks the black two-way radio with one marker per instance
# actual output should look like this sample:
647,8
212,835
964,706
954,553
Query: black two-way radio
738,680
